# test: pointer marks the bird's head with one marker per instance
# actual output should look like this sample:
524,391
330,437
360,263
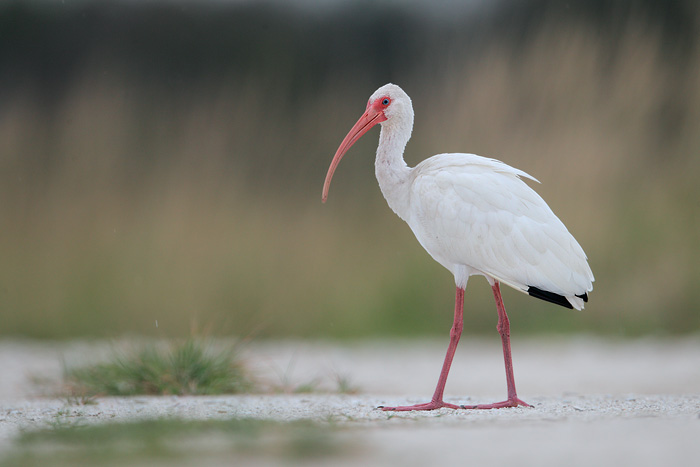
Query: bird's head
389,106
393,103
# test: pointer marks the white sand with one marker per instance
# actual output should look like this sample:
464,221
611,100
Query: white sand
596,402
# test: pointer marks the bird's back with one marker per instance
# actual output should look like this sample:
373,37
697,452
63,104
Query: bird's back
476,215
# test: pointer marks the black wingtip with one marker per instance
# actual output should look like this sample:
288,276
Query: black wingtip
583,297
552,297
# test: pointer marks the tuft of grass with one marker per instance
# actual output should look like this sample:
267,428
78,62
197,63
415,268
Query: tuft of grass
191,367
345,385
340,384
173,441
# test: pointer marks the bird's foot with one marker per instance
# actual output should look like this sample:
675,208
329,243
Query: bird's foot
432,405
512,402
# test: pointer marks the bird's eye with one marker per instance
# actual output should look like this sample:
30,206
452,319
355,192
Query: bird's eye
385,101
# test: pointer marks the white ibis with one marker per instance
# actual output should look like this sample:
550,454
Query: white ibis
475,216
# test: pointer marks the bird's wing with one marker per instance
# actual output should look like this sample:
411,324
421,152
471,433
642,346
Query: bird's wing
477,212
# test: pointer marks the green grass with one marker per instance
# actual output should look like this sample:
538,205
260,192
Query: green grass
173,441
189,367
340,384
193,366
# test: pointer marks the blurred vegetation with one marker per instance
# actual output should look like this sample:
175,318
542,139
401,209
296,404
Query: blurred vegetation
174,441
161,163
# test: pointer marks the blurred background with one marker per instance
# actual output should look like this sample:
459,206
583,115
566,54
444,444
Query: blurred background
161,162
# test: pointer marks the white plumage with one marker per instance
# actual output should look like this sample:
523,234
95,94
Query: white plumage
473,212
475,216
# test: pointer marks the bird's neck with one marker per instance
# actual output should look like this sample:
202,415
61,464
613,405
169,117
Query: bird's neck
390,168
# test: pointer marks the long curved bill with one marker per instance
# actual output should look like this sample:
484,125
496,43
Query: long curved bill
370,118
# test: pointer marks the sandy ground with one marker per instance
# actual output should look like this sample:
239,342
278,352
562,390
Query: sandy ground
596,402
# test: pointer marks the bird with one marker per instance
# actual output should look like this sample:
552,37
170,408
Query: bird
474,216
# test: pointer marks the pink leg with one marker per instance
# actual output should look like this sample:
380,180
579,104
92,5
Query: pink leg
504,331
455,334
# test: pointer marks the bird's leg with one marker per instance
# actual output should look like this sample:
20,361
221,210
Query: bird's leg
504,331
455,334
